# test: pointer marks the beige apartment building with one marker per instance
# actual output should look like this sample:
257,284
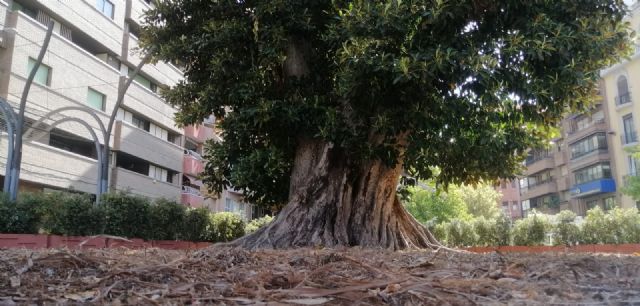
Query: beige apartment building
93,45
623,103
576,172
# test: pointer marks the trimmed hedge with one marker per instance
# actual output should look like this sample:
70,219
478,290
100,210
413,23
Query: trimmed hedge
119,214
258,223
616,226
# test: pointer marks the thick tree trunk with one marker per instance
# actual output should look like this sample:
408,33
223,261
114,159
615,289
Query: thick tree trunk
332,203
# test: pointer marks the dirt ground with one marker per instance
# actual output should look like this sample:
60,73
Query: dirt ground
223,276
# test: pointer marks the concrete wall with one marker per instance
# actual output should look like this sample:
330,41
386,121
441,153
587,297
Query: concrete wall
146,186
140,143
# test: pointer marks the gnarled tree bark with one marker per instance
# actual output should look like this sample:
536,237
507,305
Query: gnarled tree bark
333,203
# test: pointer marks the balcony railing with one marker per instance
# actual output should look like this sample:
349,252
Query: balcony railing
628,138
537,157
623,99
577,155
575,128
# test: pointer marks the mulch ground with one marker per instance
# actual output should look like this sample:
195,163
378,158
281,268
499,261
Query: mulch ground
224,276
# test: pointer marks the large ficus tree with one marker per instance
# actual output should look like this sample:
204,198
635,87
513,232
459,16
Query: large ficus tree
325,104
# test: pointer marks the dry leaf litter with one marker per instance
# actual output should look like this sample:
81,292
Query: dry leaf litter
227,276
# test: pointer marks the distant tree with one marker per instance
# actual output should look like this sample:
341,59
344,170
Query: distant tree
436,206
324,103
481,200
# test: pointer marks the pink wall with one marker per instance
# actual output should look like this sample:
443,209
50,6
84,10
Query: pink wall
511,194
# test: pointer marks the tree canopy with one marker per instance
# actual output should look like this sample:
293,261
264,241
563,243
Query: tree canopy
466,85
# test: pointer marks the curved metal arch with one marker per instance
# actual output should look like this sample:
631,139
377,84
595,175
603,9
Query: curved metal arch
10,118
66,108
96,143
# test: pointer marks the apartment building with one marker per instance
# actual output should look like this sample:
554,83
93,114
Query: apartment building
510,201
623,102
93,47
576,171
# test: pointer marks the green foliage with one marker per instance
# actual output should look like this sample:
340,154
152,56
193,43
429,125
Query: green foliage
21,217
195,226
616,226
596,227
531,230
69,214
503,230
460,233
255,224
440,232
486,232
471,82
481,200
125,215
566,232
224,226
426,205
166,219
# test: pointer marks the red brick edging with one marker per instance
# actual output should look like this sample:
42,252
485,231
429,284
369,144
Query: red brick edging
585,248
54,241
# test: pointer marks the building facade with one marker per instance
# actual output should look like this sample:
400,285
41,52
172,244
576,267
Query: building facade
93,49
510,201
576,171
623,102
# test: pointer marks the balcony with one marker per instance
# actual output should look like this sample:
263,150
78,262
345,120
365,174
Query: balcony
191,197
199,133
142,144
590,158
539,190
192,165
161,72
593,127
603,185
540,164
138,7
623,99
146,186
629,138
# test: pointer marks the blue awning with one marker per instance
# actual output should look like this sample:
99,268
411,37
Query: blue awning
593,187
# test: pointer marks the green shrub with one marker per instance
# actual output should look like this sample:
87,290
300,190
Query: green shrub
485,231
18,218
195,226
460,233
625,224
531,230
566,232
70,214
166,219
255,224
22,217
597,228
439,231
503,230
224,226
126,215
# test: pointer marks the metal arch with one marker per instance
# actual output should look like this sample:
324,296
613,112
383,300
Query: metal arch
96,143
10,118
66,108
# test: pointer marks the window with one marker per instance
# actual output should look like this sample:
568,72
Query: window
235,207
633,169
623,91
140,123
591,204
145,82
609,203
43,75
592,173
158,173
629,135
95,99
589,144
514,206
539,178
536,155
106,7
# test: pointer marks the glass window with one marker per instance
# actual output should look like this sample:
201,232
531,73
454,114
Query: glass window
629,129
588,144
609,203
95,99
106,7
43,75
591,173
632,165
